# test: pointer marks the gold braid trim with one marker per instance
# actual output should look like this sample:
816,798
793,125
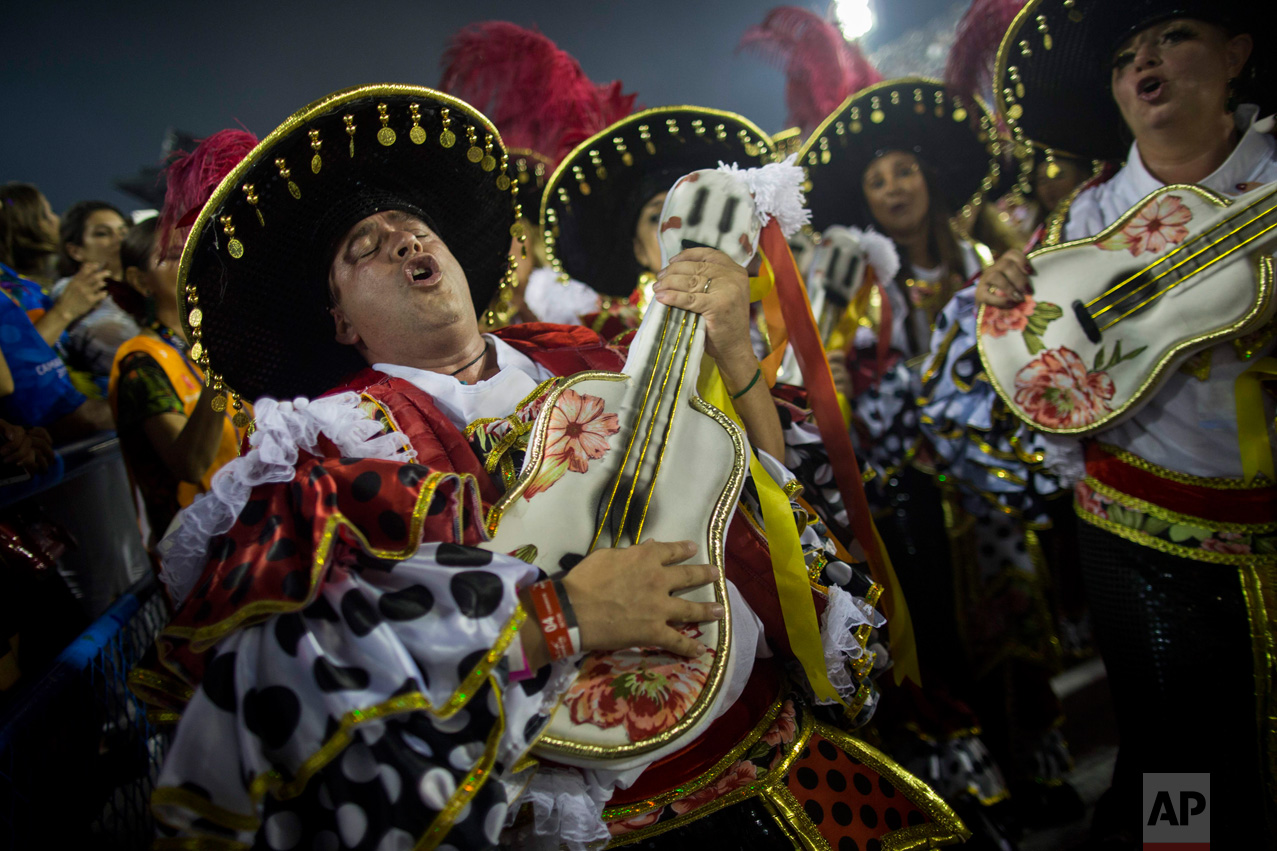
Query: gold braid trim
1219,483
412,702
147,685
1196,554
946,828
386,419
184,799
938,358
518,428
465,792
774,775
201,638
703,780
1169,516
786,809
471,785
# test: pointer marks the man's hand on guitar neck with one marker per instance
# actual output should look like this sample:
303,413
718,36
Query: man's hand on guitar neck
1006,282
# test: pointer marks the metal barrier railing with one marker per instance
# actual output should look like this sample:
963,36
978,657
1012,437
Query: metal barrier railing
78,757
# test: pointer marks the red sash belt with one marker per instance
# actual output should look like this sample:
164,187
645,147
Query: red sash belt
1223,505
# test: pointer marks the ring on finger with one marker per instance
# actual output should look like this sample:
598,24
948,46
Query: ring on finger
705,288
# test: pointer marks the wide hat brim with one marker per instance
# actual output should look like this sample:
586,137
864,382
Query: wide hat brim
253,278
1052,80
530,172
953,135
593,199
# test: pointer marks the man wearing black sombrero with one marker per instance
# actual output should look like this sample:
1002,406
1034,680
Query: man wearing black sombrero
351,670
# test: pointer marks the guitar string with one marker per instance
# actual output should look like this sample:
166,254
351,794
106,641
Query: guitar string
1206,265
647,393
669,429
1190,257
1183,247
651,428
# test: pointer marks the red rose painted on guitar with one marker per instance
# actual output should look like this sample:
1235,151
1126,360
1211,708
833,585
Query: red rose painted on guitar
645,691
1159,223
1058,391
1029,317
1160,283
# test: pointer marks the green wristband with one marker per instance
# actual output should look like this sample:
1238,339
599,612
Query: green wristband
758,373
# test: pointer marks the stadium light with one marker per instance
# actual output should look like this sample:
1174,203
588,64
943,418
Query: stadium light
855,18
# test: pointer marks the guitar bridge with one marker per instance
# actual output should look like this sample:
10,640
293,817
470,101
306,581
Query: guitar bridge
1087,321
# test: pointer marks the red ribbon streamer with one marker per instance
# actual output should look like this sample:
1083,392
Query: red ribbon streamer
810,354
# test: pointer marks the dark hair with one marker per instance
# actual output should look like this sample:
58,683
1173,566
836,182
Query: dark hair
941,240
74,221
138,247
23,242
137,251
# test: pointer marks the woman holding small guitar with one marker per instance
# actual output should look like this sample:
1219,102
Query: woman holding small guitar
1179,537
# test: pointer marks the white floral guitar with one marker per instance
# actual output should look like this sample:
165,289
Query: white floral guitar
615,458
1112,316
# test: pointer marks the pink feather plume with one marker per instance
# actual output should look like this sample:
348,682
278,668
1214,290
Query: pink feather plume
193,177
969,69
821,67
536,94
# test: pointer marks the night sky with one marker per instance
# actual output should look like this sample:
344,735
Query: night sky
90,88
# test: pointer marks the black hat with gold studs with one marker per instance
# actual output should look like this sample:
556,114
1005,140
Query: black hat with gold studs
253,276
1052,80
530,172
593,199
953,135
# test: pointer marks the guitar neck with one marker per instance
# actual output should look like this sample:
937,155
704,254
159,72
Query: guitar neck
1238,234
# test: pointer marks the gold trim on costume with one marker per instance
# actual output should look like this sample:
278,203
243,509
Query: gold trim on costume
172,796
201,638
1136,461
1174,517
774,774
704,779
1146,540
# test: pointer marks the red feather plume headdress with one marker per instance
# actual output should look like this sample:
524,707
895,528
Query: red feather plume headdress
821,67
193,177
536,94
969,69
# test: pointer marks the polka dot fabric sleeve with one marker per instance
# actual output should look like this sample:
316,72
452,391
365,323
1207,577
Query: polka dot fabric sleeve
375,717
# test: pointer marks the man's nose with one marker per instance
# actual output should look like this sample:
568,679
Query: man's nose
405,243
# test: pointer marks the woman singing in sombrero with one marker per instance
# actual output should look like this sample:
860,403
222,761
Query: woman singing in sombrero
1180,520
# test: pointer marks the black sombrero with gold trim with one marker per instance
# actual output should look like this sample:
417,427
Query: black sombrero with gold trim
1053,71
593,199
530,172
953,134
253,277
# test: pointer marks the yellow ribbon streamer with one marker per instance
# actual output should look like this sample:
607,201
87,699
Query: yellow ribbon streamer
1252,422
793,587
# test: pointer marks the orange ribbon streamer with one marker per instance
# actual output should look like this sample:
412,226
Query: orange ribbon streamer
804,337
